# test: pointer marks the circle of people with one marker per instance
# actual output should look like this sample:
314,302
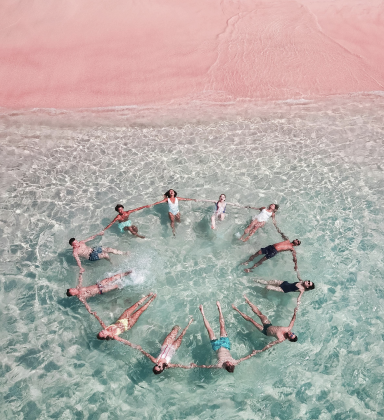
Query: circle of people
173,341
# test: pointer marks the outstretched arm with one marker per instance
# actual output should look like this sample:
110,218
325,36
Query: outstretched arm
82,300
299,298
159,202
271,344
294,258
249,355
128,343
193,365
255,208
294,317
190,366
277,228
113,221
77,258
186,199
139,208
93,237
80,281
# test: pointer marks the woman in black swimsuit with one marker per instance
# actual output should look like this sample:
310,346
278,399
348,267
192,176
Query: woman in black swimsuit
284,286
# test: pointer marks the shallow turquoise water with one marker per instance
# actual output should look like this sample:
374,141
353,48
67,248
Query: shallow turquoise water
62,178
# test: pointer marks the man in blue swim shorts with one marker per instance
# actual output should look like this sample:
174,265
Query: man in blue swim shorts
91,254
221,346
271,250
124,223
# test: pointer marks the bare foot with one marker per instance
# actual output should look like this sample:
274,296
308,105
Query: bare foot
245,263
212,227
218,305
247,270
126,253
234,307
201,309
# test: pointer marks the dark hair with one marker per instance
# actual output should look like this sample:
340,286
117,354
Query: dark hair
118,206
297,240
276,207
229,368
310,287
71,241
168,195
157,372
102,338
293,340
223,195
68,294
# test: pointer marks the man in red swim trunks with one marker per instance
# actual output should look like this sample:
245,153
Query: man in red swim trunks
271,250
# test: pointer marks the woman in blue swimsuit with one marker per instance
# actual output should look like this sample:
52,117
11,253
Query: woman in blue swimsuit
173,206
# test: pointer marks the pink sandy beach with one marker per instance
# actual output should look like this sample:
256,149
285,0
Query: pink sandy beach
99,53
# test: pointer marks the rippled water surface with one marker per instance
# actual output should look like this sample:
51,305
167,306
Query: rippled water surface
62,177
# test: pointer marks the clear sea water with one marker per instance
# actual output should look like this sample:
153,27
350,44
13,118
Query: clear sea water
63,172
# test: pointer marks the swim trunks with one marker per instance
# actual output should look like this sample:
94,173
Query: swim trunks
265,327
94,255
122,225
269,251
221,342
289,287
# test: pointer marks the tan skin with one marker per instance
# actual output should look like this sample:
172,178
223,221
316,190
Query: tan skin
171,339
280,247
104,286
80,249
123,216
172,217
131,314
219,212
255,224
275,285
281,333
223,355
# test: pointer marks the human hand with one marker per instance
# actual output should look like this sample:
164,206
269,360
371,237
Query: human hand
101,233
193,365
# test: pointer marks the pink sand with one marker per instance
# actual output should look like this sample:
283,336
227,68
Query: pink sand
98,53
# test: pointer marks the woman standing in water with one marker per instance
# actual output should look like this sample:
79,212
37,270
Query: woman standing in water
259,220
173,206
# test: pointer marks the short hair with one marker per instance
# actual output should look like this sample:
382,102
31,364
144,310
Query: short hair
297,240
276,207
310,287
118,206
71,241
168,195
157,372
229,368
293,340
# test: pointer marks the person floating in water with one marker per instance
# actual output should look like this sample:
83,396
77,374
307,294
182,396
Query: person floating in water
124,223
219,211
168,349
221,346
281,333
91,254
259,220
285,287
173,207
127,319
271,250
104,286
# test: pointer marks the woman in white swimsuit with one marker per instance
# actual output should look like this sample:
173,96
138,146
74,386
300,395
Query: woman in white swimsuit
219,211
259,220
173,206
168,349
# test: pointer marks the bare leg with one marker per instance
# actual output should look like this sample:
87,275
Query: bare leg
256,310
172,219
248,318
252,257
221,216
170,338
247,270
112,251
251,229
130,310
207,326
223,333
133,319
275,288
213,221
178,218
115,277
134,231
177,343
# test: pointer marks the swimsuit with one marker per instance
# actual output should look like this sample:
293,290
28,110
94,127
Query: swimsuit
221,342
173,207
167,353
124,326
265,327
263,216
100,288
289,287
220,210
122,225
94,255
269,252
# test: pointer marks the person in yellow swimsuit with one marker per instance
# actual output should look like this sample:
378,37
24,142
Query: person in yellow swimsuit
127,320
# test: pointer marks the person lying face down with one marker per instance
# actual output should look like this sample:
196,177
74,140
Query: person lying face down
281,333
221,346
125,225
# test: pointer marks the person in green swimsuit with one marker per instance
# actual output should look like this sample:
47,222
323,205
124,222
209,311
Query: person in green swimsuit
124,223
126,321
281,333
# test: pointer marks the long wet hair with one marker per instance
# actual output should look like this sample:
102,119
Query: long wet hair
168,195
